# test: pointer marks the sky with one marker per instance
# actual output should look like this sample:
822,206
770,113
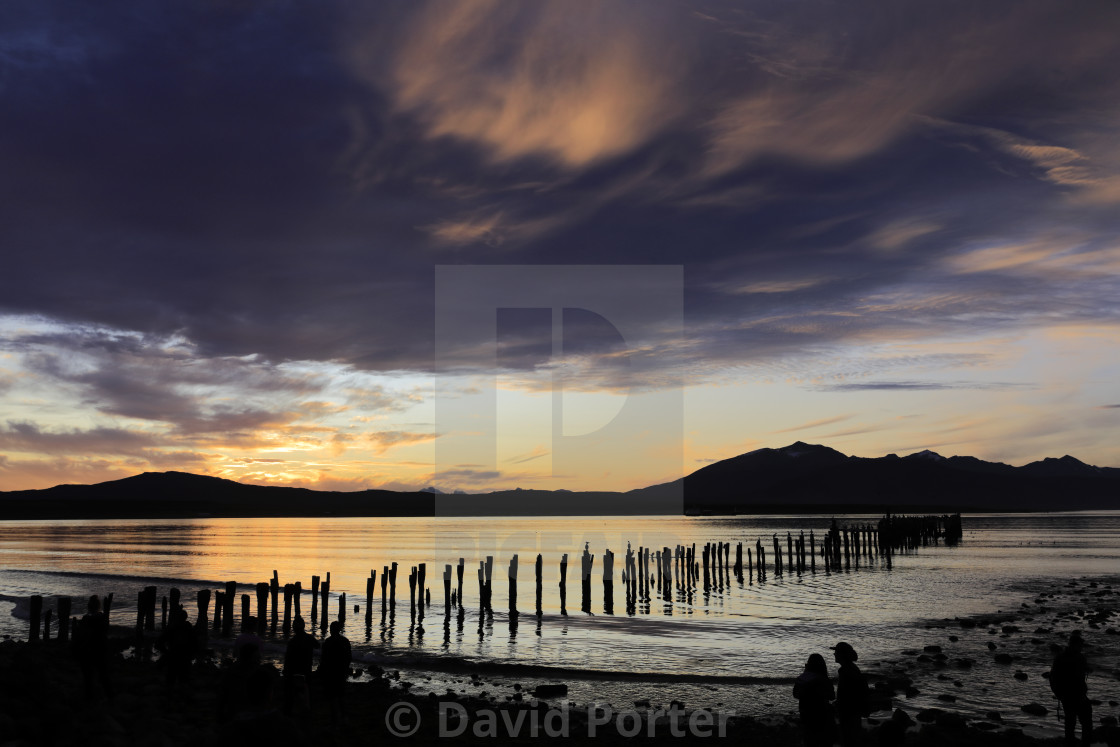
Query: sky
244,239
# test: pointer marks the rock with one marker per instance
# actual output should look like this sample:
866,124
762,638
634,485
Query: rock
992,646
968,623
912,692
953,639
925,658
1009,629
928,715
1034,709
1021,675
1003,658
947,698
963,663
932,649
551,690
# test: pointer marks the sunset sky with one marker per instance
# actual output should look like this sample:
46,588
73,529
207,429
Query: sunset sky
896,227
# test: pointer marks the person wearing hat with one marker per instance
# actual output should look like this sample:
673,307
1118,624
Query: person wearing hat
1067,681
852,697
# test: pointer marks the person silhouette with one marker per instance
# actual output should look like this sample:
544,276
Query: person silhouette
814,693
334,670
91,647
297,664
1067,681
853,700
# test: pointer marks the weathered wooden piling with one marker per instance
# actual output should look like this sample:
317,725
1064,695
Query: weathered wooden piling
64,619
325,590
512,578
539,569
286,630
446,589
608,581
342,608
393,584
370,584
297,595
163,614
459,581
219,609
262,606
35,609
316,581
564,584
246,611
421,584
274,594
227,612
203,600
384,585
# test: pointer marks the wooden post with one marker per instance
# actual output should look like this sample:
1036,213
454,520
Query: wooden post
342,608
447,589
175,597
325,589
262,606
459,587
287,628
36,614
47,625
107,606
412,591
539,569
421,585
370,582
203,607
608,581
384,585
314,600
246,611
297,595
219,607
812,552
64,619
564,584
141,599
163,614
227,613
512,576
274,593
393,585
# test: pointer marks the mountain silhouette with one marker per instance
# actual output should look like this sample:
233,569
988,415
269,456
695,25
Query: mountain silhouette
799,478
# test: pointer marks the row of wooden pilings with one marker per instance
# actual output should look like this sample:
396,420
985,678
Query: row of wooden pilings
647,573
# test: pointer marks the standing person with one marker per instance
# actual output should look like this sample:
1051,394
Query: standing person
1067,681
853,701
334,669
91,646
814,693
297,664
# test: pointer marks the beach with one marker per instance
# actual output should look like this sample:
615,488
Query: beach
941,689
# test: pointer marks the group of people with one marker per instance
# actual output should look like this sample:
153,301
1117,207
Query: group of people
815,695
824,722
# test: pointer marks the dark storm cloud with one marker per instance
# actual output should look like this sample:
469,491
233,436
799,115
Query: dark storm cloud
280,180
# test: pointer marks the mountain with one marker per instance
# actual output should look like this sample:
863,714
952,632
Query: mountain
805,477
798,478
181,494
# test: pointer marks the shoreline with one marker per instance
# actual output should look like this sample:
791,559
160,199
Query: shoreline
941,687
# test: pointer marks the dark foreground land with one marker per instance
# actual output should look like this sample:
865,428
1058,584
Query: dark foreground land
42,699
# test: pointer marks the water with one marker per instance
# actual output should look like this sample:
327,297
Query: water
738,644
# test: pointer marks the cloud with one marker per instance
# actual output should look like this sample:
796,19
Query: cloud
933,386
814,424
546,80
385,440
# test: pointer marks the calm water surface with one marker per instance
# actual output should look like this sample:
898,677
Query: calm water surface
736,630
